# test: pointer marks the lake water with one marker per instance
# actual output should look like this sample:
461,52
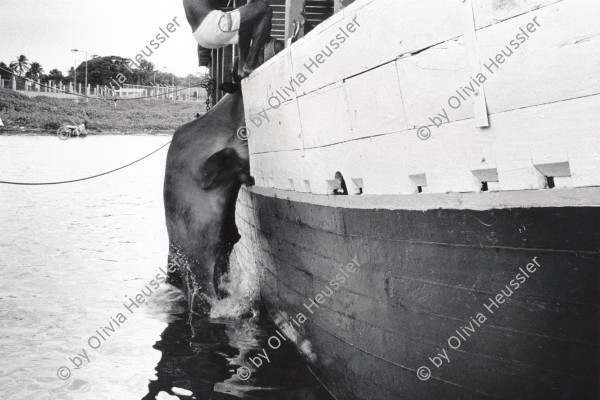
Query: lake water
73,256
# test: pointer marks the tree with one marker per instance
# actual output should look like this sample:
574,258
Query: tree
162,78
21,65
106,71
4,74
35,71
190,80
54,75
70,75
145,74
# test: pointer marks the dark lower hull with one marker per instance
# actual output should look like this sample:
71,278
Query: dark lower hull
424,277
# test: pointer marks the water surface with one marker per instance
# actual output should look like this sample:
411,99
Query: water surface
72,256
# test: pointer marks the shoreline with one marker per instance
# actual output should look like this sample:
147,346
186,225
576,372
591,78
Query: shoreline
22,115
45,132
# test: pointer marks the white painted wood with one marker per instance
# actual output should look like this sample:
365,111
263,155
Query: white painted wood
511,144
264,82
272,128
282,131
486,174
579,197
542,110
472,50
480,150
490,12
400,24
324,115
561,60
429,79
375,96
556,132
557,169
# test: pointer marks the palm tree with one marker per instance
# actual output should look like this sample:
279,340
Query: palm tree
21,65
35,71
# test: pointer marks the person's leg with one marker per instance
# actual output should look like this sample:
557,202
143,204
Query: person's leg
272,47
260,35
251,12
255,27
245,36
195,11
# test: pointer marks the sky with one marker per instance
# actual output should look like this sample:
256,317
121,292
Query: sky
46,30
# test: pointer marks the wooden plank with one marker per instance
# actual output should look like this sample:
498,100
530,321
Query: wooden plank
410,351
375,96
275,129
319,131
429,79
270,110
564,131
534,309
259,87
490,12
400,27
561,131
470,38
355,345
541,71
533,123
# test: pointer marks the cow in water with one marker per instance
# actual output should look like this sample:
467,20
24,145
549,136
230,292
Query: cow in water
206,165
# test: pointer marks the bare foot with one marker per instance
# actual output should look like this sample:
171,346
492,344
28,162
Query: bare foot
240,73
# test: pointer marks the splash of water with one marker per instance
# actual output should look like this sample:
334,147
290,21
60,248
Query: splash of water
242,285
168,300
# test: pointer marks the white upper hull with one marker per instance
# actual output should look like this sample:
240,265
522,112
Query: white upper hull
403,64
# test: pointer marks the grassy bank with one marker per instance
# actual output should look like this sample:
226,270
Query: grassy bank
44,114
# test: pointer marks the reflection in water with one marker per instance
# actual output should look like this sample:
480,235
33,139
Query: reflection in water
202,357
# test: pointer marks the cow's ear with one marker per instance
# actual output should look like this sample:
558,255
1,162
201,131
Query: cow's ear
219,165
230,87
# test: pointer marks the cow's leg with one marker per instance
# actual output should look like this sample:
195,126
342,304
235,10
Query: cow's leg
255,27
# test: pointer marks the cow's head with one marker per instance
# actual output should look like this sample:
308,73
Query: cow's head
206,165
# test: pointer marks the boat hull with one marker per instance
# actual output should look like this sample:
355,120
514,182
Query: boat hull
424,280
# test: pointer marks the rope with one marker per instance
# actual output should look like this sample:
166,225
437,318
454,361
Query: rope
95,98
86,178
99,98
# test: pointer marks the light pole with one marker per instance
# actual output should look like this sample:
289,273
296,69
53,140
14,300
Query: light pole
172,80
75,76
154,80
86,62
